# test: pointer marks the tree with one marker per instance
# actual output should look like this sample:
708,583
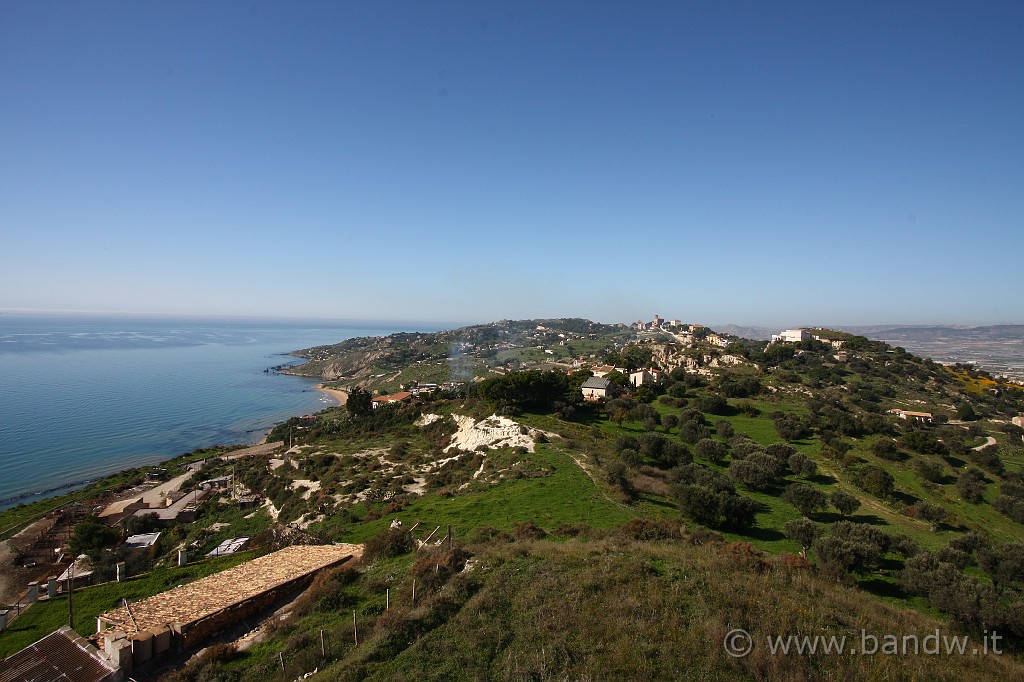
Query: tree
711,450
359,402
845,503
971,486
874,480
965,412
801,465
1003,563
91,537
802,531
724,428
851,546
886,449
930,471
932,513
712,404
757,471
807,499
789,426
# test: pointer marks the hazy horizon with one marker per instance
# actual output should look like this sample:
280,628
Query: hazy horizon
767,164
450,324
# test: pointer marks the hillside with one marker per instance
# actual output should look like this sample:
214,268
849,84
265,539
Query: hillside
739,479
455,355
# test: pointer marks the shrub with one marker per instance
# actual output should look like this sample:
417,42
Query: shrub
389,543
930,471
528,530
712,404
651,529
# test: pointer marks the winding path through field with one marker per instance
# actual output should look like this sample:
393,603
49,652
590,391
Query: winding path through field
989,440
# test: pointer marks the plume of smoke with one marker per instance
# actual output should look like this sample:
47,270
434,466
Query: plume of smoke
460,367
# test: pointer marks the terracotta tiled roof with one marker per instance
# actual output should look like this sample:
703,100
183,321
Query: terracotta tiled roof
207,596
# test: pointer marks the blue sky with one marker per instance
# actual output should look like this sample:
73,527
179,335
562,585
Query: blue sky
769,163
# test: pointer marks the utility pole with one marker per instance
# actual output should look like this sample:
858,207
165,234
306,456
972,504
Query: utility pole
71,594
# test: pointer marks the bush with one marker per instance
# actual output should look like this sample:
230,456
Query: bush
712,404
930,471
389,543
649,529
528,530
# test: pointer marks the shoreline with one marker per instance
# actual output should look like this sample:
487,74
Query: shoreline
336,393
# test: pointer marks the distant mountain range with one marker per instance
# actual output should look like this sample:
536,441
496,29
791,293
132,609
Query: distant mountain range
939,333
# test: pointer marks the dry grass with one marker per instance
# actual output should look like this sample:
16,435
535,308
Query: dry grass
617,609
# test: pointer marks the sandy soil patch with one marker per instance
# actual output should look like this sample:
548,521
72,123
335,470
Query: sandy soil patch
492,432
310,486
428,419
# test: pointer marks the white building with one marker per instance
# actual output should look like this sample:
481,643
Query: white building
645,376
792,336
595,388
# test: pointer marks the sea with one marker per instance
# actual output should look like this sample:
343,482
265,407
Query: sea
85,396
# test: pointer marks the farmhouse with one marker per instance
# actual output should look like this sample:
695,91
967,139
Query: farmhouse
596,388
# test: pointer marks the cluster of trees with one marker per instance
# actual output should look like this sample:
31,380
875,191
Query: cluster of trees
651,448
710,498
1011,497
527,390
808,499
971,602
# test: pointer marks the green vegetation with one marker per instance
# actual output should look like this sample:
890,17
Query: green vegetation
750,479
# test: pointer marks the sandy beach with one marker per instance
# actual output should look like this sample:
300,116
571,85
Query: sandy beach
336,393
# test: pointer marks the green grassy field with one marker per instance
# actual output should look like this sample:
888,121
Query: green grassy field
566,495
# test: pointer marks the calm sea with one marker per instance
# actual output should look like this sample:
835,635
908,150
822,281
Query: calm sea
81,397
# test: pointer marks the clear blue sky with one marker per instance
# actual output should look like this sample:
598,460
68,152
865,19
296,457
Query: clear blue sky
751,162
